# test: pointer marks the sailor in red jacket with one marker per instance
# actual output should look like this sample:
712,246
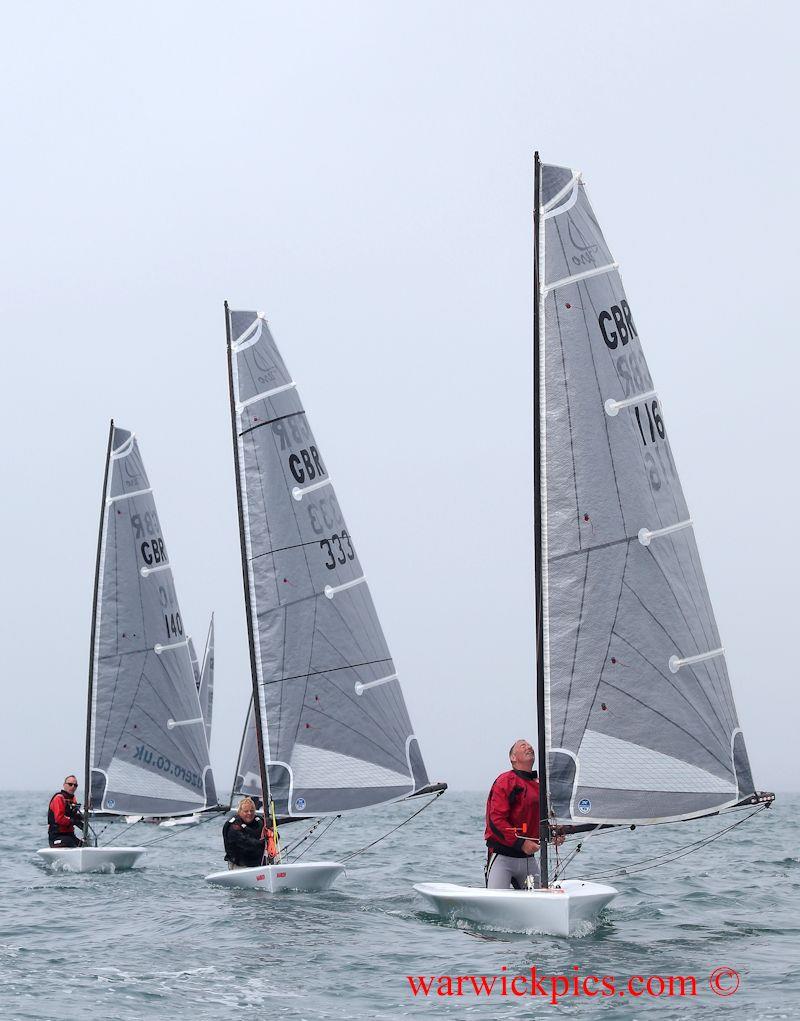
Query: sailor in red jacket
512,823
63,815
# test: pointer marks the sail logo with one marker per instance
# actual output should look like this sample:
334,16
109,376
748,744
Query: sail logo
587,249
584,806
300,804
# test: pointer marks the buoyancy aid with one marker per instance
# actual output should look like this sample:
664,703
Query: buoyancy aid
63,815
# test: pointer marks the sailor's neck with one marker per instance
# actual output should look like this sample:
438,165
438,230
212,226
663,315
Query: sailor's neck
527,774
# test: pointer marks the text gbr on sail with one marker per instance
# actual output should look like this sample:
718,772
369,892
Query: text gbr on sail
307,466
623,325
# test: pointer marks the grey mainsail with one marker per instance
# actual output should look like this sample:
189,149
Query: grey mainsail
206,682
147,748
640,723
335,729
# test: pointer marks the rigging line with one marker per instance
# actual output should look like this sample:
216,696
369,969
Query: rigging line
261,425
329,670
318,836
116,836
366,847
315,825
670,856
592,549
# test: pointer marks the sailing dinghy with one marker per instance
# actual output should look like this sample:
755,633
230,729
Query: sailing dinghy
635,711
328,731
146,747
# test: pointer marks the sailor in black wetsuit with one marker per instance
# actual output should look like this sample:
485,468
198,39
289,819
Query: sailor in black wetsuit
244,838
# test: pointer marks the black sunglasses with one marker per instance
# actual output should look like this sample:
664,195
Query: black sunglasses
69,784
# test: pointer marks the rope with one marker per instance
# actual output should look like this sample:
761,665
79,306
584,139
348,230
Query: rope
667,857
320,834
366,847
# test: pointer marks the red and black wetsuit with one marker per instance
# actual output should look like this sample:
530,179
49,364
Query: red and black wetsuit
512,812
63,815
244,844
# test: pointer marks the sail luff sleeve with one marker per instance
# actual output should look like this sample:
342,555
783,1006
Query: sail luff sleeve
339,733
642,720
149,750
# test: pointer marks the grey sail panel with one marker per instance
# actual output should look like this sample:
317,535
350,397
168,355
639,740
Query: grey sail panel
336,728
206,682
634,731
147,743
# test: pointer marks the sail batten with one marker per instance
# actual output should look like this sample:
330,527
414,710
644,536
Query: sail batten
143,757
640,721
336,733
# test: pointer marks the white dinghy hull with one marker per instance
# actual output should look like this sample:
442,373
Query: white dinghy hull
557,911
92,859
305,877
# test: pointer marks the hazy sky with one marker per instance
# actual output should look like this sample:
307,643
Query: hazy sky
362,172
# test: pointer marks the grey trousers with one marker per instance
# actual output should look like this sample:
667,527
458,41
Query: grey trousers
503,868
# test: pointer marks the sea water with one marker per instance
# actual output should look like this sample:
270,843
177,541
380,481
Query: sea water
158,942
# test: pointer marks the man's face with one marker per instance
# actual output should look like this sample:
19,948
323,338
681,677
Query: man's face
247,814
522,756
71,785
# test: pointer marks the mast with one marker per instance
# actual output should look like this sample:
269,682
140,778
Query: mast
87,775
544,825
266,797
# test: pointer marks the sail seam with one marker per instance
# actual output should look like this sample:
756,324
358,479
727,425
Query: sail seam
329,670
261,425
599,271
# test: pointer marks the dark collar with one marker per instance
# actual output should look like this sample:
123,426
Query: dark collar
526,774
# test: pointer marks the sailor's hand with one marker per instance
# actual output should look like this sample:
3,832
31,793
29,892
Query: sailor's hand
558,839
529,846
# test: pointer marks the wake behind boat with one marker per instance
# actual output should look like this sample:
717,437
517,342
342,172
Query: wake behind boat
146,747
636,718
328,731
